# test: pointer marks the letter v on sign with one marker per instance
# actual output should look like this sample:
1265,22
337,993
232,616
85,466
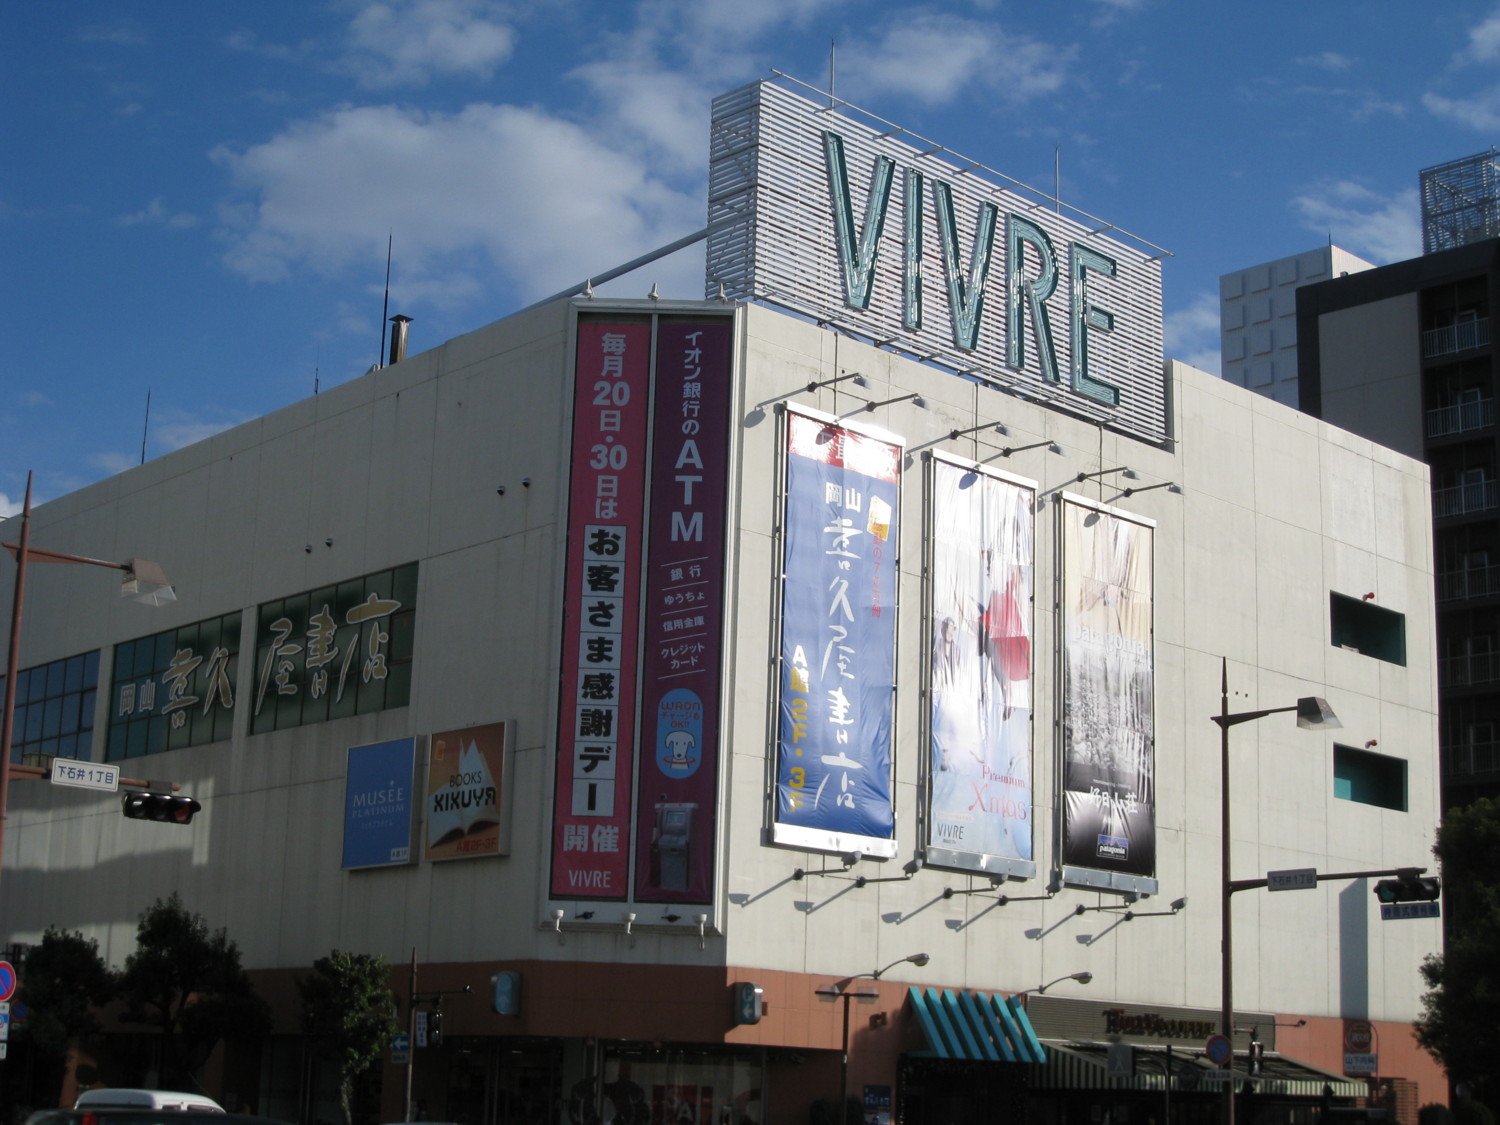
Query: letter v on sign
858,262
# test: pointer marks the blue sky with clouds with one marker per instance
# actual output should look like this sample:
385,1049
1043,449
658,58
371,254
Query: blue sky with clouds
196,197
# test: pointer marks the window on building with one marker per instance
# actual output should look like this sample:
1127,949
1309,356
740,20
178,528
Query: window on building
174,689
1368,628
1369,779
336,651
55,710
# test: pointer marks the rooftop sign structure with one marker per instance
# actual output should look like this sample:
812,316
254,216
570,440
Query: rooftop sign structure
830,212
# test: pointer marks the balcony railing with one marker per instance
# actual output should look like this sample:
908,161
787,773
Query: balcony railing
1461,417
1462,499
1471,582
1456,338
1471,760
1469,669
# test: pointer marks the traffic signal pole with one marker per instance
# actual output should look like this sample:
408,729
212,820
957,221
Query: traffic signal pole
1406,874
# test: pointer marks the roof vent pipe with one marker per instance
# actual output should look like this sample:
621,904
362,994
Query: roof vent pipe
398,337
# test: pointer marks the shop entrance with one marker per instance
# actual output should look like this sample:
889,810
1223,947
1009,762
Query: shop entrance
500,1082
960,1092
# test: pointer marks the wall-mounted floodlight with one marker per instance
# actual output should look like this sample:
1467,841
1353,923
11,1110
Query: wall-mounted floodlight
848,859
1081,477
914,398
1052,447
702,920
1082,978
909,869
1170,486
998,427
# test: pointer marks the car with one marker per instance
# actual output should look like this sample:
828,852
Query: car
146,1099
143,1115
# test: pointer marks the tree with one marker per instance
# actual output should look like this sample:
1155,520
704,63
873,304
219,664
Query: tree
1460,1021
63,979
187,982
348,1011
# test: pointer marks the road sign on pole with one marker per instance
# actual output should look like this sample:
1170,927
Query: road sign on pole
7,980
85,775
1292,879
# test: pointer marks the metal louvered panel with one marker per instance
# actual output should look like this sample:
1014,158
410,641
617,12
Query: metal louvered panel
775,240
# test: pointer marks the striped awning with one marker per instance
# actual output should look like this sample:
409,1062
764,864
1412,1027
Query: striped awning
979,1026
1075,1065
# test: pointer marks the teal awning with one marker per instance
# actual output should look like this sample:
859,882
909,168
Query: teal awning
980,1026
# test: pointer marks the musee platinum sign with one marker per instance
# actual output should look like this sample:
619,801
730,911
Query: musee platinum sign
824,212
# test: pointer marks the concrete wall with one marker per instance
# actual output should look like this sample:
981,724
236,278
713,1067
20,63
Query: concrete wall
1276,510
1372,371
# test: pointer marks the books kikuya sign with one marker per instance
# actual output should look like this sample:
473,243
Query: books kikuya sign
465,793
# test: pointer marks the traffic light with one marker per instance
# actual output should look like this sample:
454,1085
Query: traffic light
1408,888
1257,1057
163,807
435,1027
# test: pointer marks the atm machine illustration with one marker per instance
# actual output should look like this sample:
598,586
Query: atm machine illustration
672,846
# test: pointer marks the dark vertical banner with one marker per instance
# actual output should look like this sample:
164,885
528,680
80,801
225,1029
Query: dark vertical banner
606,498
683,614
1109,725
980,545
838,639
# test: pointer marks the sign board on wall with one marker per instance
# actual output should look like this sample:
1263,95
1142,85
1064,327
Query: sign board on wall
980,546
1109,726
378,804
838,638
638,736
467,798
836,214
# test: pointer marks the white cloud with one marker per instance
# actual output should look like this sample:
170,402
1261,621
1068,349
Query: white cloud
155,213
937,57
1191,333
1327,60
1383,228
171,428
1480,113
1484,42
9,507
33,398
408,42
491,186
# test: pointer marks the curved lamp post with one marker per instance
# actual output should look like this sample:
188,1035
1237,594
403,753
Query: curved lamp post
1082,978
840,991
143,581
1313,713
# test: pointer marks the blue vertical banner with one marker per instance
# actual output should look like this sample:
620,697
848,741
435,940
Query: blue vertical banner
378,804
838,638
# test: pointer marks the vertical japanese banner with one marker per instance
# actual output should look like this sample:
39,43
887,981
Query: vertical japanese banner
838,639
1109,725
591,804
980,544
684,612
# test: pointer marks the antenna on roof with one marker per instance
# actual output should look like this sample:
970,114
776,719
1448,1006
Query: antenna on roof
833,47
146,426
386,307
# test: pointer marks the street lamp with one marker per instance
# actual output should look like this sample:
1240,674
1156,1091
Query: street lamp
840,991
1312,713
1082,978
143,581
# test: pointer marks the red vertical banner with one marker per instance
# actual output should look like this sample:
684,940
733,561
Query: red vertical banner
601,611
683,616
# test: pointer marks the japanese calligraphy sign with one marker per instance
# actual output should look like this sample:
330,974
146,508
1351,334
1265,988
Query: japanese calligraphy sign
1109,725
838,638
174,689
378,804
465,793
684,609
980,545
335,651
601,608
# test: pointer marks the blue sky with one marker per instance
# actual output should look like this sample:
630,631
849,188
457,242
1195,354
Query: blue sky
196,197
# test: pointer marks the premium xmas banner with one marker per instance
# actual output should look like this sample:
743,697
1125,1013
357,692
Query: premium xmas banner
980,555
1109,725
838,631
